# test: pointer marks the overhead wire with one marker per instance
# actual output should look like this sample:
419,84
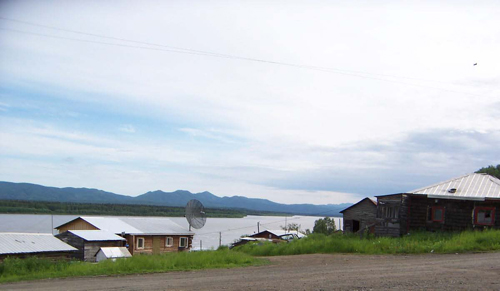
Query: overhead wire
174,49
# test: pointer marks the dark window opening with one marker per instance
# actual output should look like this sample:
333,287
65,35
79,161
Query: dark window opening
484,215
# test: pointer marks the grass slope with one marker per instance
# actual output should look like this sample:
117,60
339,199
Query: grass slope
14,269
417,243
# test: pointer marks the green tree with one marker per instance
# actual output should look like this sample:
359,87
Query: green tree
324,225
491,170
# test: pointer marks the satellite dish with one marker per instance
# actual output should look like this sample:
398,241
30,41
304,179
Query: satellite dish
195,214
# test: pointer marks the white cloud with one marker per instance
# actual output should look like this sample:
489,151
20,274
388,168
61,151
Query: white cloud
252,123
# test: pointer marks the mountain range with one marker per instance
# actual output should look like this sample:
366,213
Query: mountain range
179,198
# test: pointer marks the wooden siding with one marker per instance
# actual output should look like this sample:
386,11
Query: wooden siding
54,256
162,248
77,224
266,234
414,214
389,226
365,212
86,249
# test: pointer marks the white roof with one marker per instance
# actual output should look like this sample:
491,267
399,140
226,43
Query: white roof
474,186
96,235
18,243
115,252
137,225
280,232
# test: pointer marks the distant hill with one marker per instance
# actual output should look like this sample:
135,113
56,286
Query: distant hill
33,192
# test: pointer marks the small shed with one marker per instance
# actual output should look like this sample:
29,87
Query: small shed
89,242
360,216
277,235
112,253
23,245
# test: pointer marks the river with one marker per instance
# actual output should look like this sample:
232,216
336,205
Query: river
225,230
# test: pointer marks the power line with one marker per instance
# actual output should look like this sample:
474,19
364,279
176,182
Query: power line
210,53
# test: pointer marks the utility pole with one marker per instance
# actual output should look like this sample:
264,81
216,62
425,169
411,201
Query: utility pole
258,226
220,239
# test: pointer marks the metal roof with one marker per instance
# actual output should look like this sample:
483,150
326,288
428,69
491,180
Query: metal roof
96,235
471,186
115,252
137,225
18,243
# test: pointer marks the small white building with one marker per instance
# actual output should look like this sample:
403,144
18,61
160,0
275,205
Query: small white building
112,253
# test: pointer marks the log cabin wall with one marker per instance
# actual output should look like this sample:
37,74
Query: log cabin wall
161,241
458,214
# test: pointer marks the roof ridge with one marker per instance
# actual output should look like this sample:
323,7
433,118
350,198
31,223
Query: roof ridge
439,183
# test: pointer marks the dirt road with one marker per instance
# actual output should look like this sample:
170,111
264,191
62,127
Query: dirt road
310,272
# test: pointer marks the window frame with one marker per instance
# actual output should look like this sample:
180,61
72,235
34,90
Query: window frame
166,242
433,212
180,242
137,243
479,208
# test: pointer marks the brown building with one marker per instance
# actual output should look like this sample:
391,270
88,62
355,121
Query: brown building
149,235
360,216
89,242
468,202
42,245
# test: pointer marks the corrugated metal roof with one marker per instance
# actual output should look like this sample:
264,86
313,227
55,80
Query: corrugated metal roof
18,243
115,252
476,186
96,235
137,225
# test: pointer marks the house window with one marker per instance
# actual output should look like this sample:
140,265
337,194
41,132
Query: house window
140,243
484,215
169,242
183,242
436,214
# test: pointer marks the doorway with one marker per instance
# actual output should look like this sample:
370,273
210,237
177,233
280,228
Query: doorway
156,244
355,225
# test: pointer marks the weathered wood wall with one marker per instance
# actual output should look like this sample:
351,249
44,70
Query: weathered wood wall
365,212
414,214
46,255
86,249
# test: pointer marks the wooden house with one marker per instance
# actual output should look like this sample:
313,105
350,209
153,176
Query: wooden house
89,242
144,235
360,216
467,202
42,245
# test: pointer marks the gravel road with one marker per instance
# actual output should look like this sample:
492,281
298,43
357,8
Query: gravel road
310,272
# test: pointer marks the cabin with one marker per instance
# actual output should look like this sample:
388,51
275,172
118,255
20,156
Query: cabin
89,242
468,202
41,245
360,216
112,253
143,235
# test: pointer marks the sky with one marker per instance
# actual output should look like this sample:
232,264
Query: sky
320,102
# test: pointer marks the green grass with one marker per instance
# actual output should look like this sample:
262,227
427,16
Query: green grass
37,268
417,243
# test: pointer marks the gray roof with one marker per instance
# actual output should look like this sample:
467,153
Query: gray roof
96,235
472,186
137,225
19,243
